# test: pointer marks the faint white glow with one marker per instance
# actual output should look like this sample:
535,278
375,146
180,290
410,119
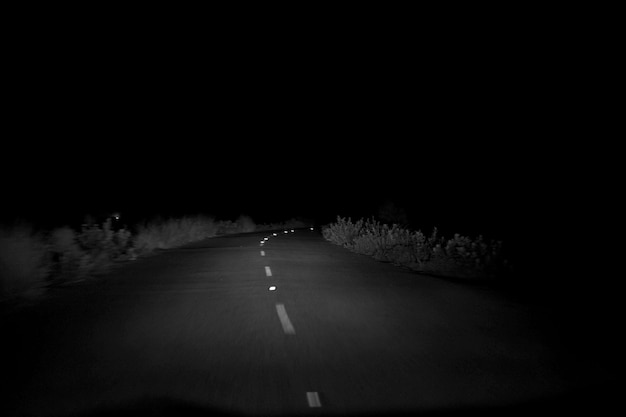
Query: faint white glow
311,228
266,238
273,288
291,230
285,231
313,399
284,319
274,234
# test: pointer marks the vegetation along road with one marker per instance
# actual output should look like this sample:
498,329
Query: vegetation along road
287,323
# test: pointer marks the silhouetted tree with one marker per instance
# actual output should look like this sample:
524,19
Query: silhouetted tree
390,212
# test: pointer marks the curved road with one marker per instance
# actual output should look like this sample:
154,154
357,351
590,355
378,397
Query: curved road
197,331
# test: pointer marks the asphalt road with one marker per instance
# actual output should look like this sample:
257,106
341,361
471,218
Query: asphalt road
197,331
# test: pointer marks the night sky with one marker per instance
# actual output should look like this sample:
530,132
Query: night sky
473,121
450,128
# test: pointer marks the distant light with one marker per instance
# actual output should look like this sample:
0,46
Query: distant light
311,228
285,231
266,238
275,234
291,230
273,288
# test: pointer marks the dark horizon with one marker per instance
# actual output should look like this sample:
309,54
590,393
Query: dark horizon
470,188
452,198
461,148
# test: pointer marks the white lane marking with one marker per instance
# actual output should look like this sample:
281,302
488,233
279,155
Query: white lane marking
313,399
268,271
262,253
284,319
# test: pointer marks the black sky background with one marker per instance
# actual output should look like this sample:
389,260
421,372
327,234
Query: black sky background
477,120
458,126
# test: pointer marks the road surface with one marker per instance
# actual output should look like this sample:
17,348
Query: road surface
198,331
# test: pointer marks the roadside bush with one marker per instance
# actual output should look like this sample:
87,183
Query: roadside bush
69,260
377,240
30,261
468,258
24,261
101,241
245,224
90,251
292,223
460,257
343,232
164,234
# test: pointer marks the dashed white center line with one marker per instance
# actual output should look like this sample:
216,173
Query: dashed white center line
284,319
313,399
